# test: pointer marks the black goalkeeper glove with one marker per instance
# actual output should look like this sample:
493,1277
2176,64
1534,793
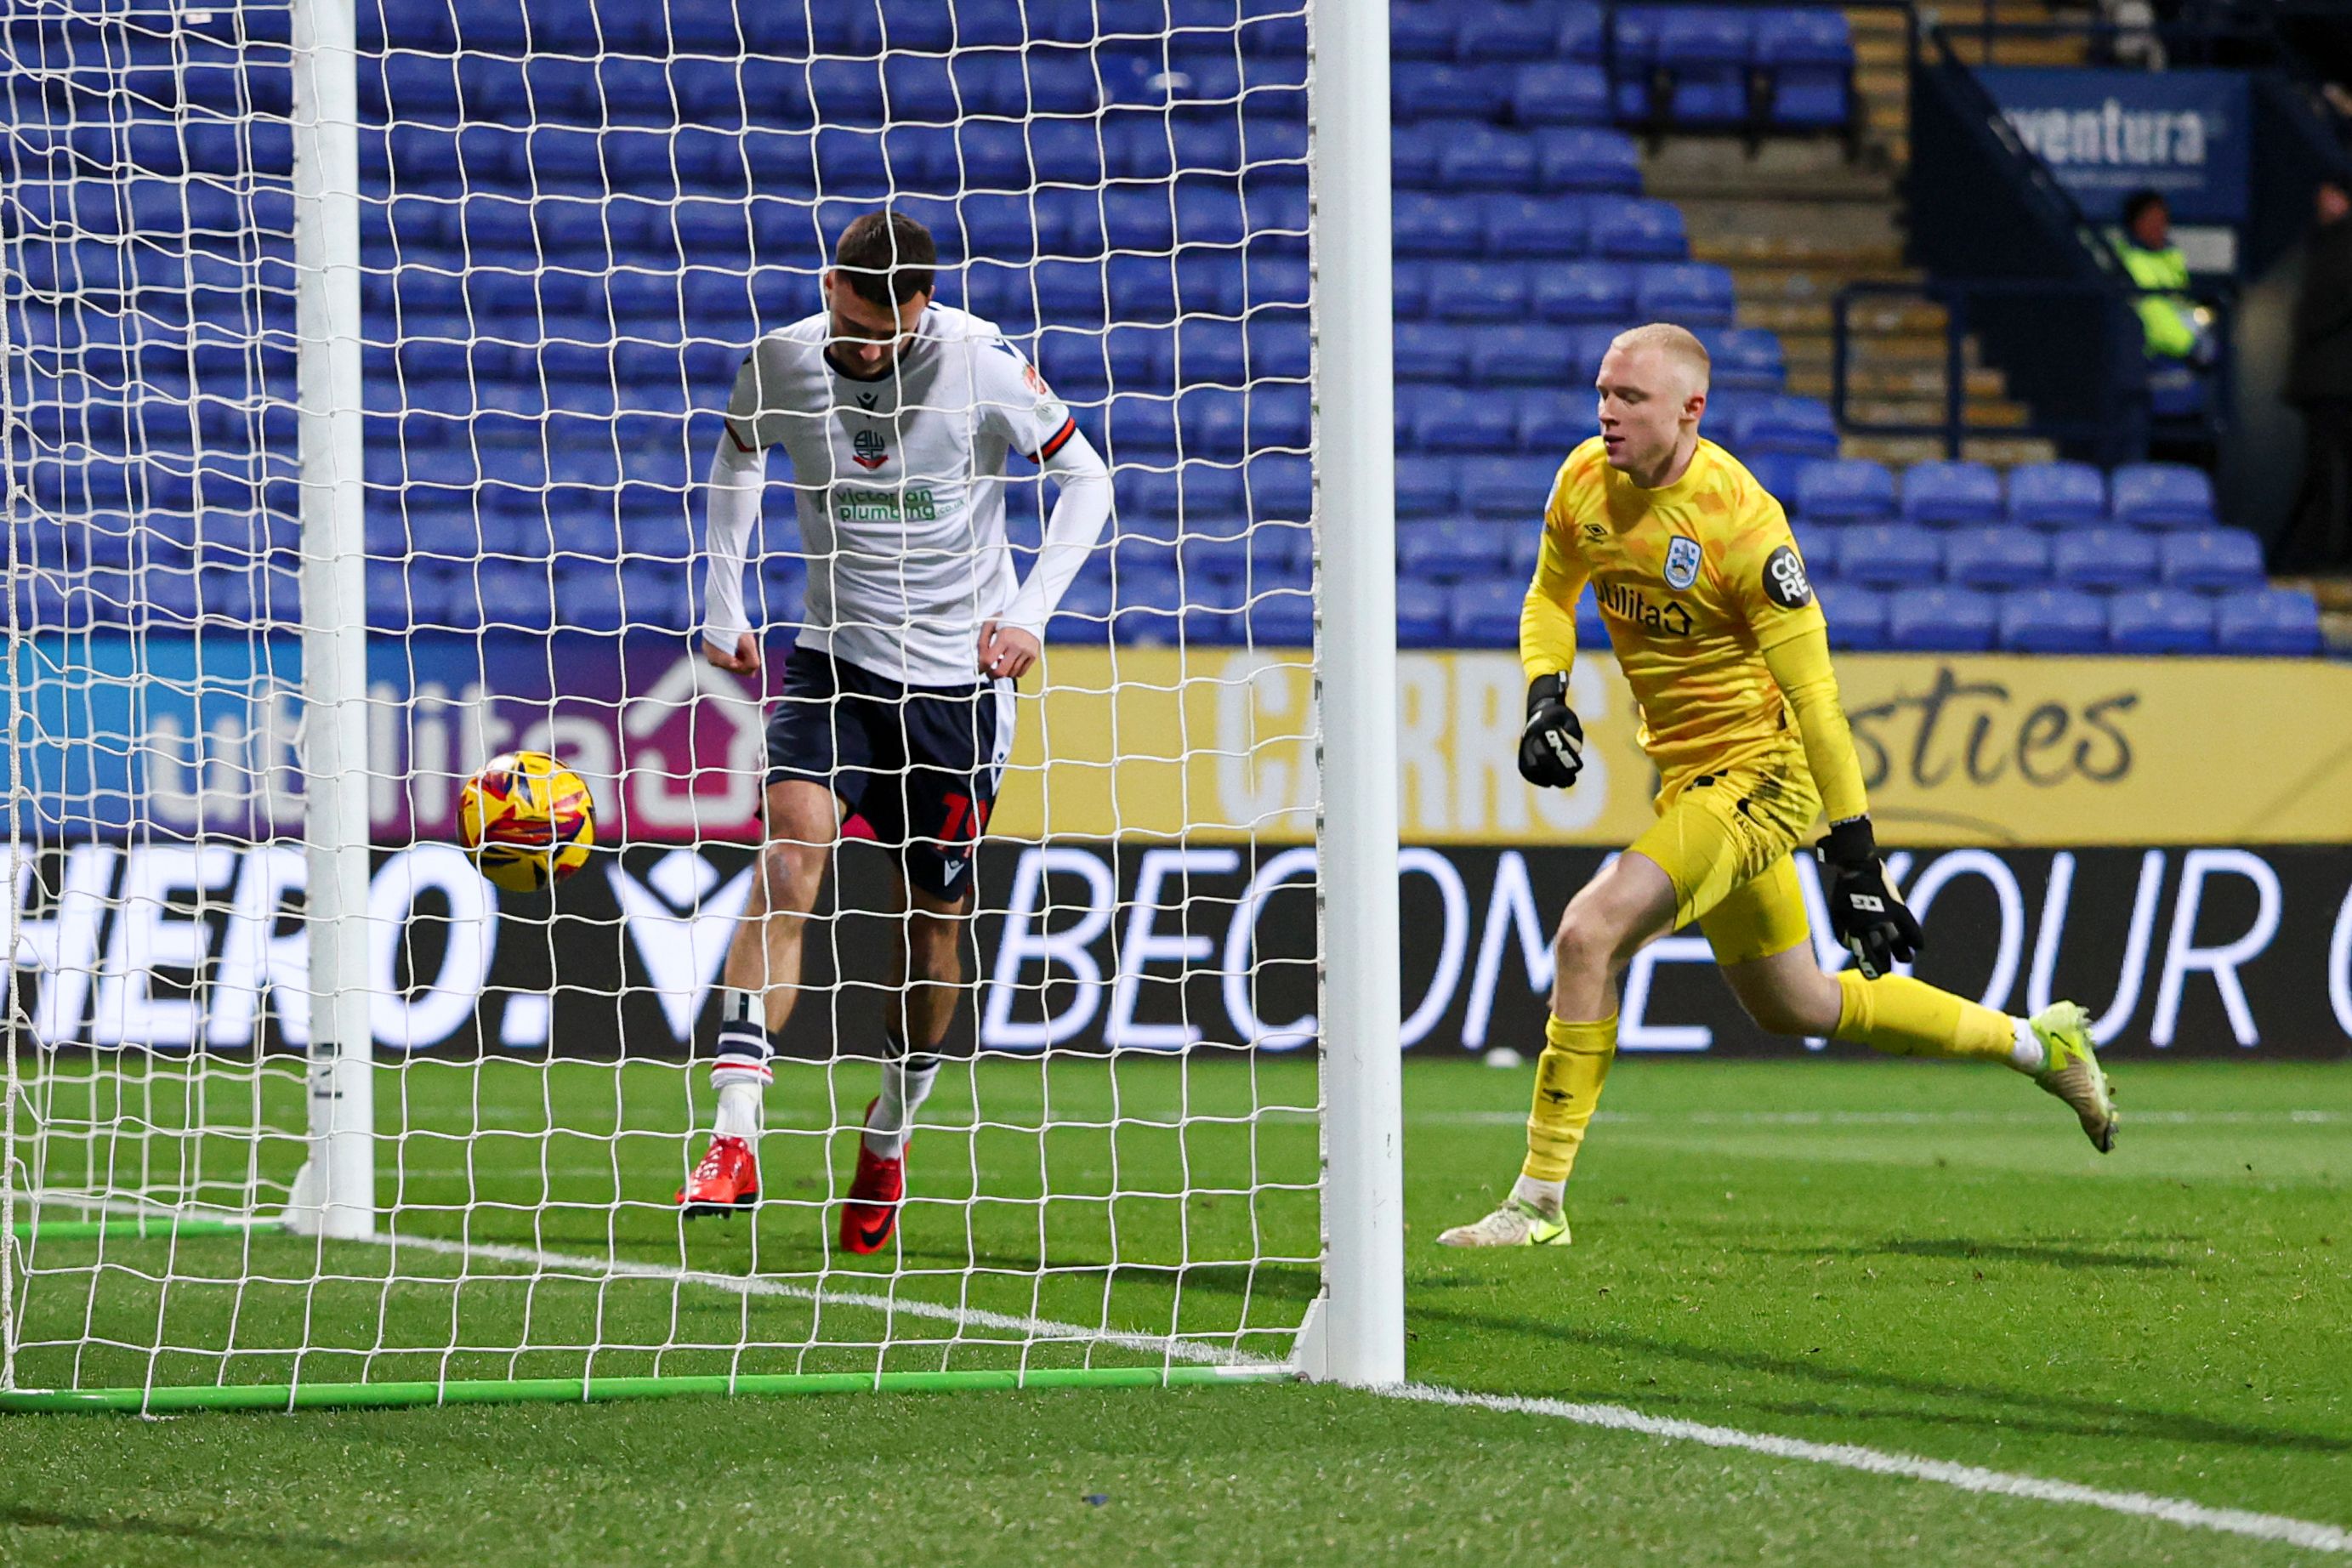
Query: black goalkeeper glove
1552,748
1867,918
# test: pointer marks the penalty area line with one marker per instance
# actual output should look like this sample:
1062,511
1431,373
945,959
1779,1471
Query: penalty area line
2307,1533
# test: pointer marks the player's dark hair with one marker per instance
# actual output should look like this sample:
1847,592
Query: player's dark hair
2138,202
887,258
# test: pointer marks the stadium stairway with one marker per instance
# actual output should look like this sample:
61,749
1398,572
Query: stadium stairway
1882,79
1795,222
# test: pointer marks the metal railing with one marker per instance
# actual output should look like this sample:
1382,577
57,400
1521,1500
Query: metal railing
2094,356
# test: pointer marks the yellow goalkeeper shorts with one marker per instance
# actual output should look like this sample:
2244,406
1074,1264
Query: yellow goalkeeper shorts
1724,839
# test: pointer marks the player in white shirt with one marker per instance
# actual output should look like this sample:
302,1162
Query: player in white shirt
896,416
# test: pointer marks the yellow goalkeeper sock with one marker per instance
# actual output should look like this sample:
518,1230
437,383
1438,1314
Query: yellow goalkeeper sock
1908,1017
1568,1076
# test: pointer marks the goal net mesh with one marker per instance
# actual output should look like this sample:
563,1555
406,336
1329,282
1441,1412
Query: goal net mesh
575,219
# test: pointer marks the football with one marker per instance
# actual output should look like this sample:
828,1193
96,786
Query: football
527,821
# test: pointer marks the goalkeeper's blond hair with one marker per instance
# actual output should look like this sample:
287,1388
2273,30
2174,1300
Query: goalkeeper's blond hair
1679,345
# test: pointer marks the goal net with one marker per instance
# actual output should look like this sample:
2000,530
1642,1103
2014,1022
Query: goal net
362,378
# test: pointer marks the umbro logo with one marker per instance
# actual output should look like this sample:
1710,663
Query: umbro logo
1596,532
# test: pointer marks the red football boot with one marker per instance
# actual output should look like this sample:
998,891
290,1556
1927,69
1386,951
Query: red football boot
871,1214
726,1180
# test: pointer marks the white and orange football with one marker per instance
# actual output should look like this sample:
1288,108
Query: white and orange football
527,821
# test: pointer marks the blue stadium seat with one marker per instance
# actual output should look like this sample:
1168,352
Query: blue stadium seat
1423,615
1632,229
1942,620
1486,613
2276,621
1450,550
1560,93
1808,54
1535,229
1506,33
1480,291
1445,229
2211,559
2057,495
1413,150
1522,356
1587,158
1592,344
1418,90
1704,51
1552,423
1844,491
1428,352
1409,285
1801,425
1427,487
1485,158
1280,485
1280,616
1451,420
1889,556
1946,493
1777,472
1581,36
1584,291
1508,489
1421,31
1690,294
1746,359
2162,495
2053,620
1995,556
2160,620
2103,558
1856,614
1820,547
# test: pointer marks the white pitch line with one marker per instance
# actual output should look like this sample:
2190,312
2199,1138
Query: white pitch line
2303,1532
1041,1328
2306,1534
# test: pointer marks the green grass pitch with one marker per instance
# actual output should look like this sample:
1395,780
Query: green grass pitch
1922,1258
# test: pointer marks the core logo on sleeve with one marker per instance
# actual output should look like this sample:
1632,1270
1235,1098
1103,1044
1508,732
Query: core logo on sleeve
1682,562
1784,580
867,451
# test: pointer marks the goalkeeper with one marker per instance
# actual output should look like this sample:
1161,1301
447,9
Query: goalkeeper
897,415
1714,621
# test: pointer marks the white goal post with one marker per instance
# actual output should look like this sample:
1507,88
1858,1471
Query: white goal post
363,364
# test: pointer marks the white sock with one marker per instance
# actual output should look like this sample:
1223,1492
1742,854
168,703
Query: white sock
906,1084
741,1072
2028,1054
1549,1196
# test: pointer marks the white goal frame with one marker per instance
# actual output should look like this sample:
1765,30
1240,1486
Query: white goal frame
1354,1333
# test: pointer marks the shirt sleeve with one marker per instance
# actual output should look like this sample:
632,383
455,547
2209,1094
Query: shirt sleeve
1547,617
1800,664
732,505
1765,578
1080,509
1013,401
745,405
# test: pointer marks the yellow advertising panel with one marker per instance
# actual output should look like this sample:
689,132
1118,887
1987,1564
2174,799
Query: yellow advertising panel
1216,744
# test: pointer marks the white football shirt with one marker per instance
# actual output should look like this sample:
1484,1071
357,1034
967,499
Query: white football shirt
899,484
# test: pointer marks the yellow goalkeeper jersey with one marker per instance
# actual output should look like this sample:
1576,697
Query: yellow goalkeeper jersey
1708,607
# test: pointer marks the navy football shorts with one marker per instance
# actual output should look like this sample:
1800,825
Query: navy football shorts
920,763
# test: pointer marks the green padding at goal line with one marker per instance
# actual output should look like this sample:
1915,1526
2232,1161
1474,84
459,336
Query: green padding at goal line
574,1389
